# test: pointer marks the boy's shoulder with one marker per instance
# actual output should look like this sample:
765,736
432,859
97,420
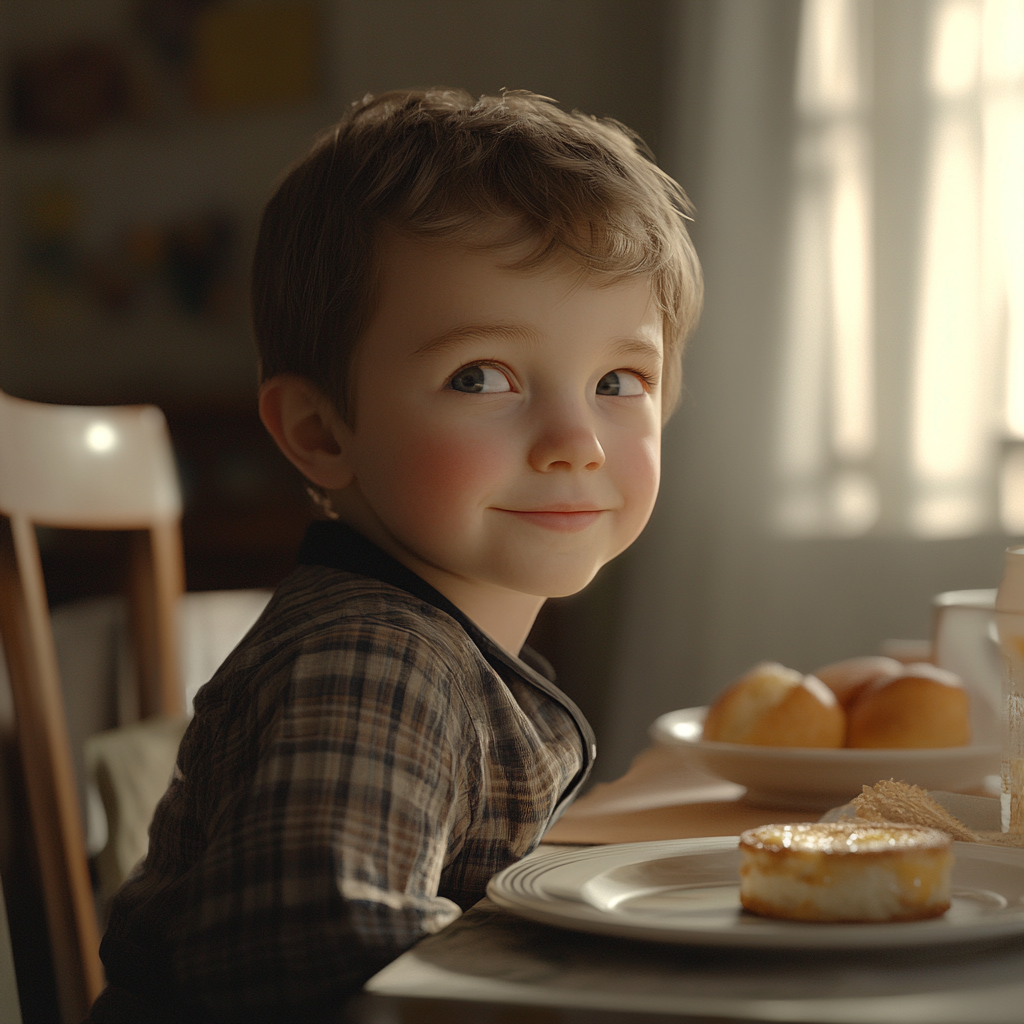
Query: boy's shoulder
335,645
320,599
320,611
332,649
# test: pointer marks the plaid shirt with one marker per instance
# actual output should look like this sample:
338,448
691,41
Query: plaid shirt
359,767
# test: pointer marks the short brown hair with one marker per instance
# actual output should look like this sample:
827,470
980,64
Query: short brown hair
439,164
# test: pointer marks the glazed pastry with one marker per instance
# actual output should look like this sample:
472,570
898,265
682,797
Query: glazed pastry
776,706
924,706
847,679
845,871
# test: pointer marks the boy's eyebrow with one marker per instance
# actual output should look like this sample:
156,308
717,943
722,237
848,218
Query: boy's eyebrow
471,332
516,332
641,348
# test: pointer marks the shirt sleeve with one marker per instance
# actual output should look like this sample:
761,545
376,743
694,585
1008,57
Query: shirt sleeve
325,863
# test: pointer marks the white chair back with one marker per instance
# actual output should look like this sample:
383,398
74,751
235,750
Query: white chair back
82,466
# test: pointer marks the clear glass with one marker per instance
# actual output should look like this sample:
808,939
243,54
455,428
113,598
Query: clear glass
1010,623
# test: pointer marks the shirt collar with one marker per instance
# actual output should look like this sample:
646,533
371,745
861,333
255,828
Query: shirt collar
338,546
335,545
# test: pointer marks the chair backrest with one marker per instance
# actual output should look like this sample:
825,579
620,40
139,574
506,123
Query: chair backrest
82,466
86,468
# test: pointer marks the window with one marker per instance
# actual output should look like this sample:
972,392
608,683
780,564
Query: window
952,462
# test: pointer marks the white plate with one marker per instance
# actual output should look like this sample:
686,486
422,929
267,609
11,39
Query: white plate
816,779
687,891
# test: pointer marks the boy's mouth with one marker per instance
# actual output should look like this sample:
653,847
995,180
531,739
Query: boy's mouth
559,520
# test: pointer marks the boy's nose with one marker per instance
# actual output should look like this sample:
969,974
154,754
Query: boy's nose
566,444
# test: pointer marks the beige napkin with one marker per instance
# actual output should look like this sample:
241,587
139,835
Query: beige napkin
968,819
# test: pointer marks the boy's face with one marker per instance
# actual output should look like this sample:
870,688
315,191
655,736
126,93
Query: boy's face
507,424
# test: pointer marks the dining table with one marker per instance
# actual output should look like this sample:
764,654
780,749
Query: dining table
495,967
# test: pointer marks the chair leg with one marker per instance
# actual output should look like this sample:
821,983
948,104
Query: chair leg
156,582
49,776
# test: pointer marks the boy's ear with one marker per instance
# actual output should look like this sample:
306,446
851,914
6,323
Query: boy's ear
308,429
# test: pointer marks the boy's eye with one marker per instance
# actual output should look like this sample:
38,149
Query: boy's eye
476,380
622,383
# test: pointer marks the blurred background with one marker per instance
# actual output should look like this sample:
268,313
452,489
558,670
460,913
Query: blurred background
851,438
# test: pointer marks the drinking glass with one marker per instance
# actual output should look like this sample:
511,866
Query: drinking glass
1010,624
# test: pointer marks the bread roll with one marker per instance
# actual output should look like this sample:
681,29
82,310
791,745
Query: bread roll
845,871
846,679
924,706
775,706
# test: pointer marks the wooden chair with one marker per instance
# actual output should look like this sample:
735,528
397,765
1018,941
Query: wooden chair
10,1008
85,468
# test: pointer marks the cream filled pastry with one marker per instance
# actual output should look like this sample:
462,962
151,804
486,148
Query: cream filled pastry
845,871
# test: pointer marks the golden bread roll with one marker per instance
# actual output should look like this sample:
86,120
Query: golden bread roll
846,679
924,706
775,706
845,871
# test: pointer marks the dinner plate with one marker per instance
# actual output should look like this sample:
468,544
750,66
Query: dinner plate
687,891
820,778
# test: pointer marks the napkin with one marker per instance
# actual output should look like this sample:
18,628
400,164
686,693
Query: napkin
982,815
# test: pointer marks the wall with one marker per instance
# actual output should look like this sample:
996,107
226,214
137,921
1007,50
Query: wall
598,55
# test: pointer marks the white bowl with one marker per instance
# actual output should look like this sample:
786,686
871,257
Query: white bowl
817,778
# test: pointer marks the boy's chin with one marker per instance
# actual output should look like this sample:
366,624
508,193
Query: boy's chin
557,584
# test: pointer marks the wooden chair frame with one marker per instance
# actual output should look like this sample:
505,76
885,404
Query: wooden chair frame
156,582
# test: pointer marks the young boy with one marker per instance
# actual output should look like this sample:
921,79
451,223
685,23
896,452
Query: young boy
470,317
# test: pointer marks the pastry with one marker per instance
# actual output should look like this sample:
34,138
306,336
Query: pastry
775,706
846,679
924,706
845,871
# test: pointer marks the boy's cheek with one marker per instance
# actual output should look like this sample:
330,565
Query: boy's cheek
438,472
651,463
637,465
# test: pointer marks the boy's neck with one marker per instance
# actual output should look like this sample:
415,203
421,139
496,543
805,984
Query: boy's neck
506,616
